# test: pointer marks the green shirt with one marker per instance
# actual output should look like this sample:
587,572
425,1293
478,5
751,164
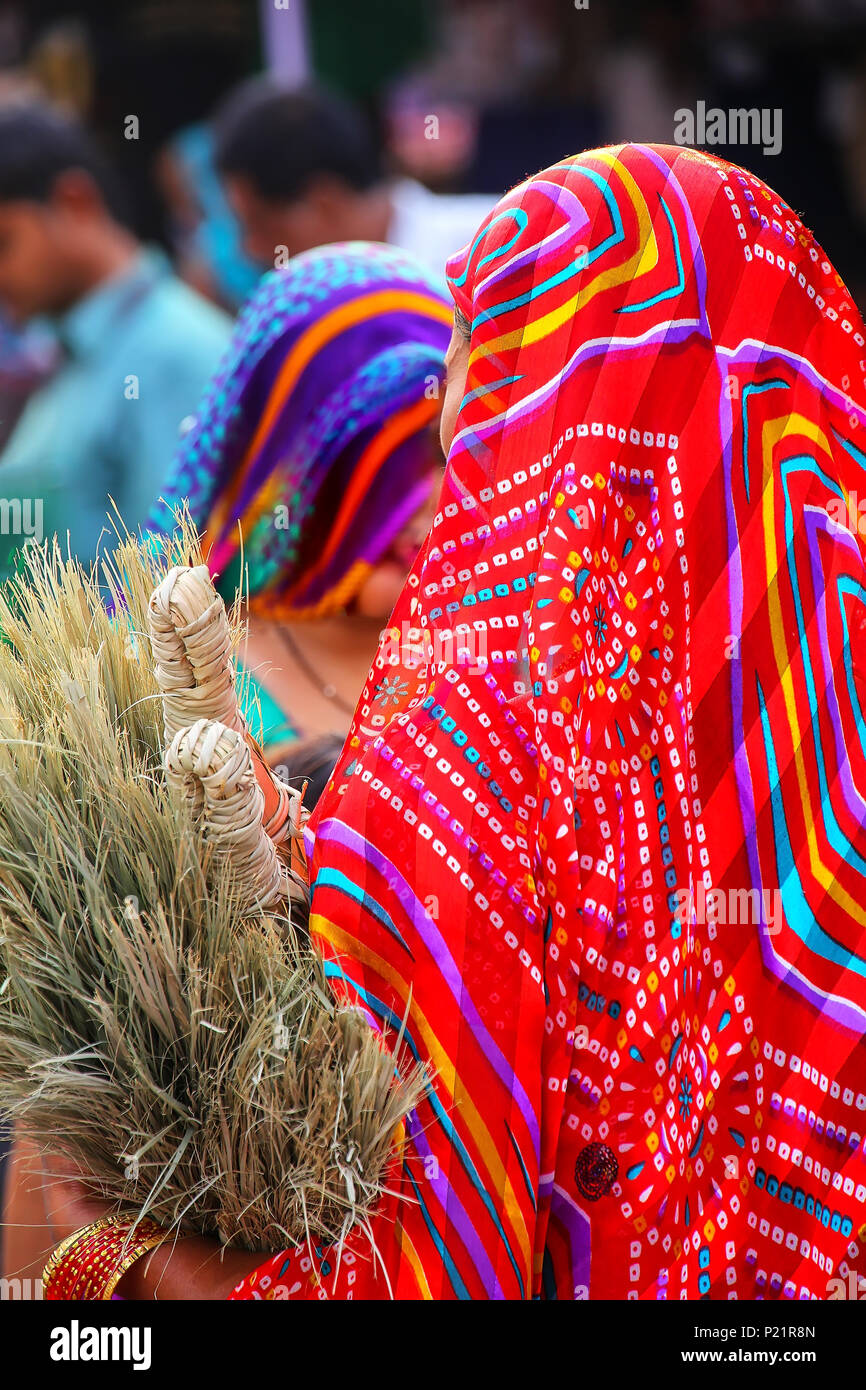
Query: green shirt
140,350
267,722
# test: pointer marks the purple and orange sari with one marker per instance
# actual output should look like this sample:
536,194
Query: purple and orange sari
312,446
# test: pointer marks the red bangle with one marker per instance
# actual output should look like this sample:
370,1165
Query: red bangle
89,1265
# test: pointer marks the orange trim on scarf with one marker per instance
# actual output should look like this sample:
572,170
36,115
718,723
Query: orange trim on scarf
394,432
311,342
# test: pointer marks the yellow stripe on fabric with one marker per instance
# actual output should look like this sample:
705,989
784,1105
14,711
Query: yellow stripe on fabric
401,1235
316,337
773,432
408,1249
644,260
446,1072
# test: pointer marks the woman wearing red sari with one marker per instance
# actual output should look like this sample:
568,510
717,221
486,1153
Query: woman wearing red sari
601,845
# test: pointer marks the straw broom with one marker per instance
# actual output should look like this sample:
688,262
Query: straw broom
164,1019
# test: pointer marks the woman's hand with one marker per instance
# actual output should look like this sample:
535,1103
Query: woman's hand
182,1268
190,1269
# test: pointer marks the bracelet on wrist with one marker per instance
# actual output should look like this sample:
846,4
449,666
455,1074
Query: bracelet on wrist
90,1263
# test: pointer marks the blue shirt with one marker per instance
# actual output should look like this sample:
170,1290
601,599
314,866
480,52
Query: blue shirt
139,351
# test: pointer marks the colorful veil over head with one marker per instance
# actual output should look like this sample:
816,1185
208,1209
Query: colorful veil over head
605,852
313,446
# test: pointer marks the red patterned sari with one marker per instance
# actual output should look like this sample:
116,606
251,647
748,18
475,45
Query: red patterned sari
603,845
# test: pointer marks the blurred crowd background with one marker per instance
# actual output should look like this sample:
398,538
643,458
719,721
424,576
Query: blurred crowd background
461,97
514,83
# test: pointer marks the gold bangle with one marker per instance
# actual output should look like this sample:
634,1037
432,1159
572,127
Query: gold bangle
140,1248
90,1263
57,1256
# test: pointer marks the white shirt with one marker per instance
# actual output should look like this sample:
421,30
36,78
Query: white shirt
434,225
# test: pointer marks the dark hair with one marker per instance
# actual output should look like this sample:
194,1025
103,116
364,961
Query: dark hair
280,139
37,144
313,761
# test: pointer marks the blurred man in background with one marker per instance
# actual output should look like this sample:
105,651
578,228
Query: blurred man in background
302,168
137,346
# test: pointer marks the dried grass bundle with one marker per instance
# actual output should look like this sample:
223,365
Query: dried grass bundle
187,1052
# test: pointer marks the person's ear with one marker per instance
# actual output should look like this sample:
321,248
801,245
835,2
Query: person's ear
75,191
328,196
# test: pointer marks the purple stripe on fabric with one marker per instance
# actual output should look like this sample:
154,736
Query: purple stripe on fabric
818,521
429,933
309,842
557,193
695,246
454,1211
673,331
783,970
749,350
576,1226
742,772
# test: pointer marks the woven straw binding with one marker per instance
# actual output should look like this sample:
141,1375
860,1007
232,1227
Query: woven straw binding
211,767
192,650
191,642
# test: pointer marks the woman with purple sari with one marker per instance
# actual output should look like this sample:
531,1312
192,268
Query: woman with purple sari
311,469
